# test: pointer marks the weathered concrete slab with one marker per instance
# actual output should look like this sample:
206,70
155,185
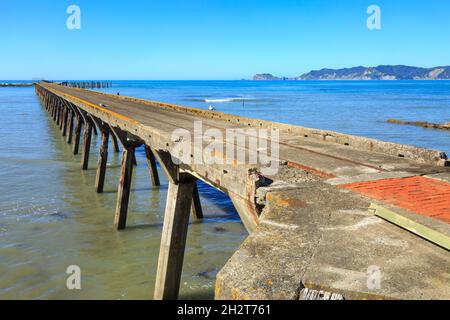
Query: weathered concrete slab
324,238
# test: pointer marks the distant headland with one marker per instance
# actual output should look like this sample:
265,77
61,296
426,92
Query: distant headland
384,72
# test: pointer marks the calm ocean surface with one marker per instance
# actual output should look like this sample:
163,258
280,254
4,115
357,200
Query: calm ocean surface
50,217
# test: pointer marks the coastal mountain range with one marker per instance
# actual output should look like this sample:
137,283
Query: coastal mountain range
383,72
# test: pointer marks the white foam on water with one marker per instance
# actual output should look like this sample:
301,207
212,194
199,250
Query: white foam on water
227,100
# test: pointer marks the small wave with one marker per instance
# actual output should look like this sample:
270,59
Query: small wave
227,100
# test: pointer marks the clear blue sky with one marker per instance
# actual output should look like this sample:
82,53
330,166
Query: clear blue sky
215,39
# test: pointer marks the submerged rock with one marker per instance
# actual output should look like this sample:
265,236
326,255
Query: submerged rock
445,126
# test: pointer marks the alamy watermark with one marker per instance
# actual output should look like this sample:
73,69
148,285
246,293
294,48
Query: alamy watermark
73,281
232,146
374,19
73,22
374,278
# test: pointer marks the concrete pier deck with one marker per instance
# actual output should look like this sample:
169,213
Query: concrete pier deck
310,224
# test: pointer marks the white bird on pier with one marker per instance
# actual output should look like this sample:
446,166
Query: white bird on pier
211,108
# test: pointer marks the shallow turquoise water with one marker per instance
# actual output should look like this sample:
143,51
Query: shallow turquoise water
50,217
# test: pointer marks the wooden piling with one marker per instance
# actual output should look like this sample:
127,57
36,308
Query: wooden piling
123,194
115,142
173,241
94,130
197,211
51,106
78,127
129,143
103,156
65,119
134,160
56,113
86,144
60,112
70,127
151,160
61,118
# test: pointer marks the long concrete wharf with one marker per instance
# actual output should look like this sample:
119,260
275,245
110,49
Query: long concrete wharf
320,226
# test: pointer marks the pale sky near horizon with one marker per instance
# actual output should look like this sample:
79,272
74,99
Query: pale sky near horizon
216,39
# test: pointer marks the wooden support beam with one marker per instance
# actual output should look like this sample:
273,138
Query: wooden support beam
171,169
94,130
70,126
197,211
78,127
61,117
65,119
129,144
51,108
134,160
173,241
102,162
103,156
57,112
55,109
115,142
123,194
151,160
86,145
172,172
59,120
88,127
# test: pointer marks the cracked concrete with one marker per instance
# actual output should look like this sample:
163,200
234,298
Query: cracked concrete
335,243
